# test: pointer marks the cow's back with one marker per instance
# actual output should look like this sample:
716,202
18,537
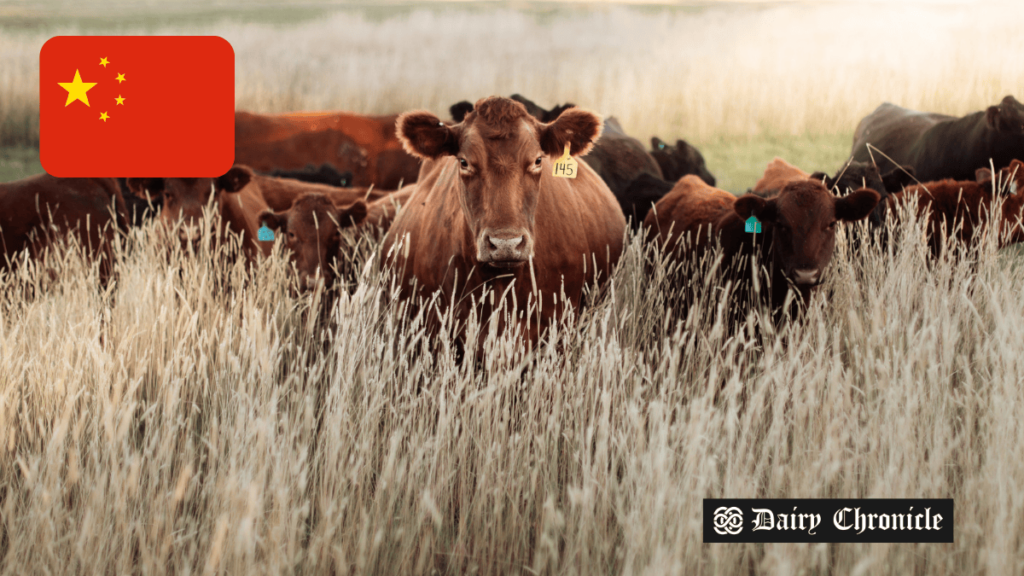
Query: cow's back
691,208
776,176
894,130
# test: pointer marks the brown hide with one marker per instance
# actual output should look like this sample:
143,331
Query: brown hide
965,205
488,210
82,206
365,145
776,176
798,228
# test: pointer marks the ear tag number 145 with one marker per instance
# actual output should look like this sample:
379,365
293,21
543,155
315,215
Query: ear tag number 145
565,167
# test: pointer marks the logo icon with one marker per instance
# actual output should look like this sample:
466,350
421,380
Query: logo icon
753,225
729,520
265,234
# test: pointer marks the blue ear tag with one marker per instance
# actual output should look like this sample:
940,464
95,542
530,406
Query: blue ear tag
753,225
265,234
661,146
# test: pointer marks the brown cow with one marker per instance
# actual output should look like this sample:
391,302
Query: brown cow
489,211
381,212
964,206
798,228
777,174
242,195
238,204
364,145
40,209
312,233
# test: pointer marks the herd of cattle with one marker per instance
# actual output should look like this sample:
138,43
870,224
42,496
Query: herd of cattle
473,202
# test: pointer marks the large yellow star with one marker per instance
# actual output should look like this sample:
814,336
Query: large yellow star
77,89
104,62
120,78
103,116
120,100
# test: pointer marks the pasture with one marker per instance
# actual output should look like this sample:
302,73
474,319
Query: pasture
192,417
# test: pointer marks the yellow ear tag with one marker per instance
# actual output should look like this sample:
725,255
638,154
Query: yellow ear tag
565,167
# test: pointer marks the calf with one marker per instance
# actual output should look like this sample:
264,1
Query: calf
798,229
312,233
679,160
961,208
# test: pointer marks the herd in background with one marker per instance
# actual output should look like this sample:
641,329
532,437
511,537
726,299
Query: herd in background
473,202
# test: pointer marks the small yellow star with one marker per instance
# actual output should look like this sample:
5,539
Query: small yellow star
120,78
103,116
104,62
77,89
120,100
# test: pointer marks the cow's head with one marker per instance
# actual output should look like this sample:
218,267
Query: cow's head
1007,117
803,220
857,174
311,230
185,198
501,154
679,160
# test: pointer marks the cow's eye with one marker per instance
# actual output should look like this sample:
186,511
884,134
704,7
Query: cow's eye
463,163
539,160
291,235
832,225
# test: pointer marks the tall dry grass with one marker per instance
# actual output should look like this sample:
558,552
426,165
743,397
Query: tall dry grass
191,418
701,73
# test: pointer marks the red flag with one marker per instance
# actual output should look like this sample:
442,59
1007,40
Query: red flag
160,106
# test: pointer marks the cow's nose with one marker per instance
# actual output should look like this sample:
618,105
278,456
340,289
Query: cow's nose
188,233
504,249
504,244
805,276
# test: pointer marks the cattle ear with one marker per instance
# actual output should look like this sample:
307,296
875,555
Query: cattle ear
140,187
577,127
898,178
273,220
992,118
353,215
980,175
753,205
657,143
346,179
424,135
235,179
459,110
857,205
820,177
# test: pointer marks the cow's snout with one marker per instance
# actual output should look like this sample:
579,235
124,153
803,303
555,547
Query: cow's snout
805,276
505,248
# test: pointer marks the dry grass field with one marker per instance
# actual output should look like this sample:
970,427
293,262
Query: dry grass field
192,417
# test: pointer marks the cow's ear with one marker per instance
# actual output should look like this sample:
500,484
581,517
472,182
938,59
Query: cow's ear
992,118
578,127
273,220
140,186
753,205
459,110
857,205
898,178
657,143
353,215
235,179
822,177
346,179
981,175
424,135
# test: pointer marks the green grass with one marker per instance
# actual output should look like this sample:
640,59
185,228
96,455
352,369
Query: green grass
17,162
737,163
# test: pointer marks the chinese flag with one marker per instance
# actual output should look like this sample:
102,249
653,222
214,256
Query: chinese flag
137,106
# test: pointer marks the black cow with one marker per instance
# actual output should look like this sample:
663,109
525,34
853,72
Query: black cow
679,160
325,174
940,146
643,192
